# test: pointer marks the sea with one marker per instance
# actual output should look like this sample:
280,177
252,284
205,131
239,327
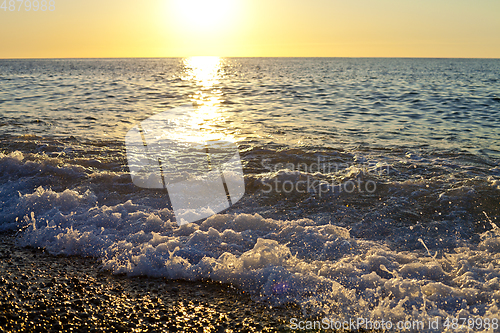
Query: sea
372,185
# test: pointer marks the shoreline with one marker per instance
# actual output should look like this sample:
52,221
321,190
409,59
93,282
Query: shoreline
40,292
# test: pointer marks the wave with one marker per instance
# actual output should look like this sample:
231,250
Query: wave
418,247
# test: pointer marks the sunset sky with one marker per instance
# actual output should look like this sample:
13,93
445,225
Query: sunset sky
253,28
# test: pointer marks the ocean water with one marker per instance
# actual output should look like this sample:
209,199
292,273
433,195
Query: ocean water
372,185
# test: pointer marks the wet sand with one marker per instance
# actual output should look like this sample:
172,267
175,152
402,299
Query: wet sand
40,292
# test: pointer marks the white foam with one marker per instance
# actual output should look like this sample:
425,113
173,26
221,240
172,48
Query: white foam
320,266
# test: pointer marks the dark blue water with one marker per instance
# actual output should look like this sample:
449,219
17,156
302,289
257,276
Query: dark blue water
438,103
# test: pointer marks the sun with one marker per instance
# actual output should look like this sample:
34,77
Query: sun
203,15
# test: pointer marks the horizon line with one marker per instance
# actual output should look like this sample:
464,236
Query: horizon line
245,57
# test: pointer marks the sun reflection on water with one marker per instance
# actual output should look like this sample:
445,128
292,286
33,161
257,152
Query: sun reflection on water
205,73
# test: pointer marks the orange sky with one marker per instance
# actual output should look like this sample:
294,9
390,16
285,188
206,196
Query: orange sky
249,28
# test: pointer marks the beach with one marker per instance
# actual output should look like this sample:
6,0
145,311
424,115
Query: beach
371,190
45,293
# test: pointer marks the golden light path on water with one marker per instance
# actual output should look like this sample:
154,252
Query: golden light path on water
208,117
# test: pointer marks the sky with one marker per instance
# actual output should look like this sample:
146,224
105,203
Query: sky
251,28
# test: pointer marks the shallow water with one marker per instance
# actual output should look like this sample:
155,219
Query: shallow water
372,185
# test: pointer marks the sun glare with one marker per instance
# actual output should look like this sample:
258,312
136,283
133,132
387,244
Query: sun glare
200,15
207,116
203,70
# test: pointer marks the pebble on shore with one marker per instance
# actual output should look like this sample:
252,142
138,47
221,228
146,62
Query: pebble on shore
44,293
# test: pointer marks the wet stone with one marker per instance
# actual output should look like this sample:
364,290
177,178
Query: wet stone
73,295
